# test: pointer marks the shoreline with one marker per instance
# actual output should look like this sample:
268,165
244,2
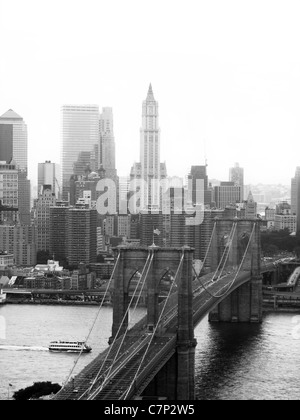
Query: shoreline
291,310
53,303
266,308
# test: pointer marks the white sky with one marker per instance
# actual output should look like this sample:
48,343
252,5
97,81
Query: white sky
225,73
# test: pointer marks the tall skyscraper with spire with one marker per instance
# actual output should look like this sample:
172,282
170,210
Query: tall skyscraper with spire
150,169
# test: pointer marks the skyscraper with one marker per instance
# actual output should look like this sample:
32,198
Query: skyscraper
107,149
9,185
295,199
150,169
6,143
236,175
45,200
48,174
13,146
13,139
82,235
199,173
80,133
227,194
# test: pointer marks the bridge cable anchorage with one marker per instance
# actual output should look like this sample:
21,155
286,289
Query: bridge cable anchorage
116,360
95,321
125,395
236,275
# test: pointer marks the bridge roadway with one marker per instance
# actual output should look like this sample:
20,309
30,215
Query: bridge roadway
113,385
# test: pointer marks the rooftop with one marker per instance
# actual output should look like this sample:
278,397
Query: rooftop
11,115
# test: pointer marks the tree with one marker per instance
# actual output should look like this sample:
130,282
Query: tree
37,390
271,250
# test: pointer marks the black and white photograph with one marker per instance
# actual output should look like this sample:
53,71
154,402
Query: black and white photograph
149,202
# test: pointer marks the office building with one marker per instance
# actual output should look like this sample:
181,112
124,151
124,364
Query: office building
82,235
284,219
150,169
45,200
198,183
80,133
13,139
24,197
295,197
236,175
49,174
9,177
58,230
227,194
19,241
107,148
14,149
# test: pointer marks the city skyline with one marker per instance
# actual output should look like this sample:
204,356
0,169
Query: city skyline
229,93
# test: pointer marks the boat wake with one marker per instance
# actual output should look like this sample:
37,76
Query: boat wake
23,348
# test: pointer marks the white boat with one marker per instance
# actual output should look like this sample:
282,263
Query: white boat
69,347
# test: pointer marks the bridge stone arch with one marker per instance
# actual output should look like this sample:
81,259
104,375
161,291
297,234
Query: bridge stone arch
155,261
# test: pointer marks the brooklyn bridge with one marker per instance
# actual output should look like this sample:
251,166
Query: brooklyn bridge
156,356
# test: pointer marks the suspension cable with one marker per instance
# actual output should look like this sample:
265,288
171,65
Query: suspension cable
156,327
120,327
95,320
228,249
208,248
128,326
236,275
224,253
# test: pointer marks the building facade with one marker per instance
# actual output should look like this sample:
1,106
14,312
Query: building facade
9,186
21,242
227,194
49,174
150,169
284,219
295,197
80,133
236,175
58,230
13,139
82,235
45,200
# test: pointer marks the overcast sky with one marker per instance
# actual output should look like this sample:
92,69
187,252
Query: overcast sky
226,75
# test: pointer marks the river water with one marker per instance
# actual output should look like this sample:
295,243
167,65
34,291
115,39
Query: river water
232,361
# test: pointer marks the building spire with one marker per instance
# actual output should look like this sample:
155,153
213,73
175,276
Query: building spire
150,96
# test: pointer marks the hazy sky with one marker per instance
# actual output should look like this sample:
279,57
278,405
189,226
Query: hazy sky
226,74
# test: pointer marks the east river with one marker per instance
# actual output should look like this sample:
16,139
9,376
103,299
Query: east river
239,362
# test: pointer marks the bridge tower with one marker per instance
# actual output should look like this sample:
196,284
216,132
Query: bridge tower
245,303
176,380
